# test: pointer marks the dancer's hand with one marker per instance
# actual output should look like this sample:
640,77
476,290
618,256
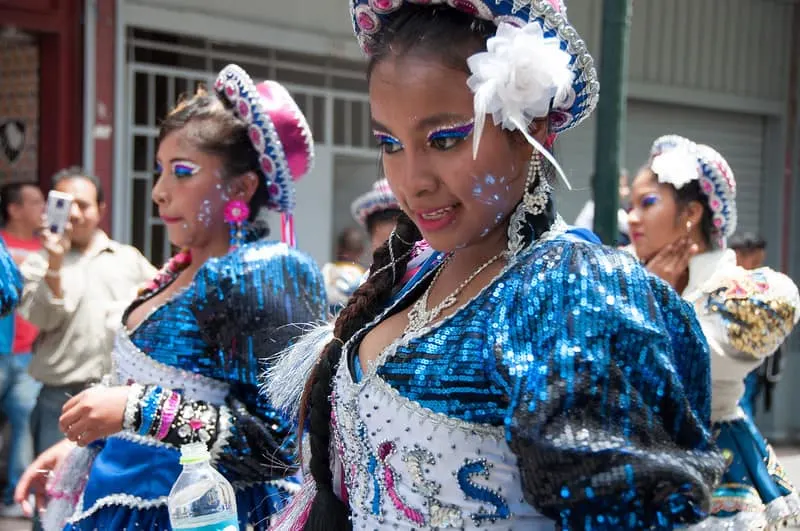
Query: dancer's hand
672,262
94,414
34,479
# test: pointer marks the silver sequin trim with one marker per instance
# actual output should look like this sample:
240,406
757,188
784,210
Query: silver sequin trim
224,432
451,423
125,500
132,406
141,439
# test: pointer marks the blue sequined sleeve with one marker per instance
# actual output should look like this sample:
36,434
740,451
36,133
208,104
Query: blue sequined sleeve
609,406
10,281
250,305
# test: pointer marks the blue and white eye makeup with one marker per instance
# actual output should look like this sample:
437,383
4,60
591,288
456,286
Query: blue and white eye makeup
449,136
387,142
649,200
183,168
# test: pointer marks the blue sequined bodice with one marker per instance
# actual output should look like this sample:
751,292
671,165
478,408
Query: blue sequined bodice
259,276
512,325
171,335
570,385
200,354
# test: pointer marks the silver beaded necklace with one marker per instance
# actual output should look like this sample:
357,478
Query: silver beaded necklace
419,316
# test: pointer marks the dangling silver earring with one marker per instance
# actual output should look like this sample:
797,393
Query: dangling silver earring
534,202
535,199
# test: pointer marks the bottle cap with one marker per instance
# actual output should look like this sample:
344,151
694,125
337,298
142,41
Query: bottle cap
194,453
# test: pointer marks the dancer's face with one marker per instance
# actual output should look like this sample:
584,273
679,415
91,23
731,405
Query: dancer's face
422,112
191,193
654,219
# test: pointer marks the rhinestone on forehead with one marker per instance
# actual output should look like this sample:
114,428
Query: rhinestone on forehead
369,15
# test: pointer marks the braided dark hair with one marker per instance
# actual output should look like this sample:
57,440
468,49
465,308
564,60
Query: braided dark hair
328,511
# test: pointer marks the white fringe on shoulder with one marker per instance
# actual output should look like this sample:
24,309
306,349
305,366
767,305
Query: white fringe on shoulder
283,382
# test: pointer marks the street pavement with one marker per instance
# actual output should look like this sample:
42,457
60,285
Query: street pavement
789,457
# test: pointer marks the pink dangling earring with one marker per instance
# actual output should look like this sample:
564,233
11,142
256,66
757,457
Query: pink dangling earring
236,214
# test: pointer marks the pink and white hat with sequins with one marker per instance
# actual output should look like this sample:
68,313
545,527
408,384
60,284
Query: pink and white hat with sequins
279,133
715,177
369,16
277,128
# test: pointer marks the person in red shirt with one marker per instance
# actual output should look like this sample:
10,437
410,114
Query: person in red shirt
21,206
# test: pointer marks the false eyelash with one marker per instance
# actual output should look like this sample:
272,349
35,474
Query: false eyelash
452,131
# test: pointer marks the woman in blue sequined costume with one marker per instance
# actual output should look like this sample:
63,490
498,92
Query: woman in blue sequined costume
186,361
684,210
502,373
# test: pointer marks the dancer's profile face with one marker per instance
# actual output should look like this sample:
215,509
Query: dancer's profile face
191,193
654,219
423,120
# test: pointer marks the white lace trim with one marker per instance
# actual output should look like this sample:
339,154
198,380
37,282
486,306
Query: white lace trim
125,500
738,522
130,363
135,502
141,439
131,406
778,514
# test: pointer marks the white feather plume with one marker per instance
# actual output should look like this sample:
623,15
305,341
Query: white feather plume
283,382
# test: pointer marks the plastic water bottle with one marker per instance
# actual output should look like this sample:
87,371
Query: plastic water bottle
201,499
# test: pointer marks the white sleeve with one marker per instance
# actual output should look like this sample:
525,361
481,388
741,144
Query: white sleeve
749,314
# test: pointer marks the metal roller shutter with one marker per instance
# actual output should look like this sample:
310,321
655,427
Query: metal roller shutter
738,137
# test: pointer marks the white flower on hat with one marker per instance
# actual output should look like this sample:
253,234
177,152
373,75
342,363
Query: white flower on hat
516,80
677,167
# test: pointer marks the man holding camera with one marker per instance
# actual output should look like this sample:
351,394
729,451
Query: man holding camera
74,293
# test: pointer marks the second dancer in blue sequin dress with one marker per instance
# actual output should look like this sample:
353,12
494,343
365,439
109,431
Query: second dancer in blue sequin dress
185,364
502,373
